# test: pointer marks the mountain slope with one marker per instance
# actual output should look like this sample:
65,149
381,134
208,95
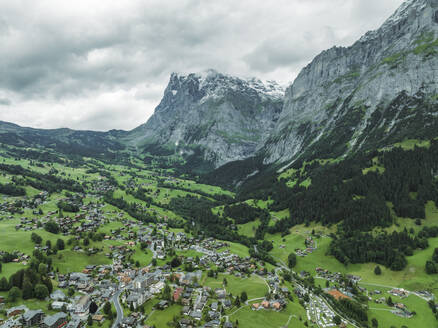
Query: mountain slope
221,117
380,90
66,141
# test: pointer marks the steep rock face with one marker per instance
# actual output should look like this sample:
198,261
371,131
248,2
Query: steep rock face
345,95
224,117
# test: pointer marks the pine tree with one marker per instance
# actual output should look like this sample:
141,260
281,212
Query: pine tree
291,260
27,290
41,291
107,308
377,270
14,294
4,285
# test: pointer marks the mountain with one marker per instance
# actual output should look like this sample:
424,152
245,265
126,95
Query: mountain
380,90
220,118
66,141
377,92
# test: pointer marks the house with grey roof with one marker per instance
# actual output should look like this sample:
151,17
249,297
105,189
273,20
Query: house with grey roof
57,295
197,315
76,323
16,310
33,318
55,321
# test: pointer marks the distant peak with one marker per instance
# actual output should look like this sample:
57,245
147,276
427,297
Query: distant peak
408,11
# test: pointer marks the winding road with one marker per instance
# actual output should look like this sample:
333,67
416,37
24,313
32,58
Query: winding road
119,309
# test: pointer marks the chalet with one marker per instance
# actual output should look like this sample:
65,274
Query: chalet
212,324
255,306
276,306
129,322
33,318
57,295
57,320
162,305
196,314
185,310
12,312
57,305
380,300
76,323
98,318
185,301
220,293
11,323
226,303
185,323
400,292
400,306
63,284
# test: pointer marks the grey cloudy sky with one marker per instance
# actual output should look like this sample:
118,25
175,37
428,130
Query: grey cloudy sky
104,64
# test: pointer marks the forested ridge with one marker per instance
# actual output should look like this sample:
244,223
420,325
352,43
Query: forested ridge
357,194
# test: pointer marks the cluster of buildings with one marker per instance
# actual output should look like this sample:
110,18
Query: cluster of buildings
74,310
309,249
336,277
401,310
268,305
400,292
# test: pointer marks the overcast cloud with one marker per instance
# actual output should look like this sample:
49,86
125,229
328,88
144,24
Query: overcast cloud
104,64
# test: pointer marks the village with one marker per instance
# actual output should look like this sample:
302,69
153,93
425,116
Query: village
132,272
82,296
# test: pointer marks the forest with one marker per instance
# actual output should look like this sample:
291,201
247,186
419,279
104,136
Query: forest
358,200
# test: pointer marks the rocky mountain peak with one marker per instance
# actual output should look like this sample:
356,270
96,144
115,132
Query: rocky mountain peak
217,116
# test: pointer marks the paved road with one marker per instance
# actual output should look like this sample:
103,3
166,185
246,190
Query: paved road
119,309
